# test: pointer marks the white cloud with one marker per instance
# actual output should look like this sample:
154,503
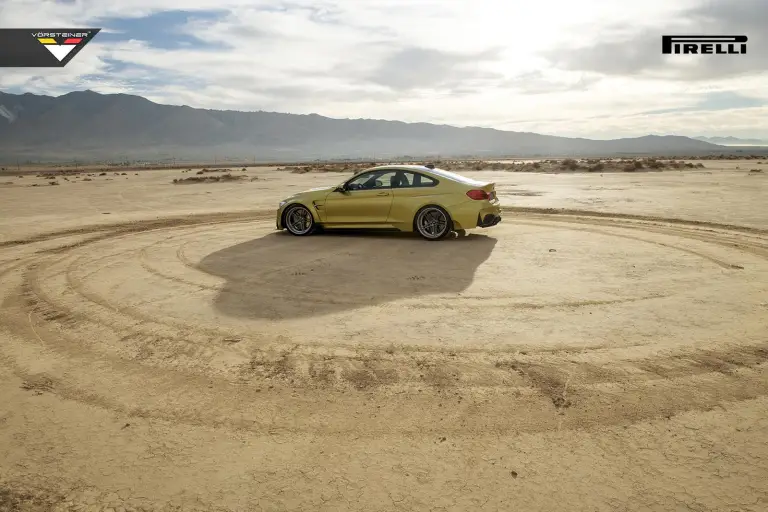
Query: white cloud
461,62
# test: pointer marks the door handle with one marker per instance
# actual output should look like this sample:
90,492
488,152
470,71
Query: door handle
383,194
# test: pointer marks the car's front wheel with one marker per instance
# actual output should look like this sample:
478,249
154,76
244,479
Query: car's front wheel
432,223
299,220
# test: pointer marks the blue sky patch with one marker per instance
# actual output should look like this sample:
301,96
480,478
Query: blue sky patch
162,30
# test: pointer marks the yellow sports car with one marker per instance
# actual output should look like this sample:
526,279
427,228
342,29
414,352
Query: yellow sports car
430,201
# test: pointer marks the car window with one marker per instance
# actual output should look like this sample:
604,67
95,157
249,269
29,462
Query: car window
414,179
372,181
421,180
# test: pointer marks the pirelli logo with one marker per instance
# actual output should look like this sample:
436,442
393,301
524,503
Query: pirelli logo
704,45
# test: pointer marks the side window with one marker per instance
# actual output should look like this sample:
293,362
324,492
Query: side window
358,182
418,180
372,181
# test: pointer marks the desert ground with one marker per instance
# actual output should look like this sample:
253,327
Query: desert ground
604,348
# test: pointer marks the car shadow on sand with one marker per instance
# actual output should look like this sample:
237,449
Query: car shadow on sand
280,276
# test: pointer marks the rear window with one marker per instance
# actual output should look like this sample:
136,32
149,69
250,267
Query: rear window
456,177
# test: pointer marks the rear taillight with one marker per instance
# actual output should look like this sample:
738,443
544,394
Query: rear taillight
477,195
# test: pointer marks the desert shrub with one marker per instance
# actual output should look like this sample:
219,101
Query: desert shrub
599,166
208,179
638,164
536,165
652,163
53,182
102,174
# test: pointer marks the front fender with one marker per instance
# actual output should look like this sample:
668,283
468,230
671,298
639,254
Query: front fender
308,204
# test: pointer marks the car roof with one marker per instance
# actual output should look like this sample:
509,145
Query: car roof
437,172
404,167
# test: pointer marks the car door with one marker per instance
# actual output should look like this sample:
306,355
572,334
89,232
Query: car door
412,191
367,200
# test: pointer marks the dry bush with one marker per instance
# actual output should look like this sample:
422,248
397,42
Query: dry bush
652,163
597,167
208,179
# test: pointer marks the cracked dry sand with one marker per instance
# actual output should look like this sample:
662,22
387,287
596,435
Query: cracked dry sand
179,354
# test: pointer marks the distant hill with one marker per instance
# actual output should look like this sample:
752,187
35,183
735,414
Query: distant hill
89,125
733,141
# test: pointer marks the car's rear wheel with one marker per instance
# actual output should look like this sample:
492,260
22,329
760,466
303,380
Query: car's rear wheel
432,223
299,221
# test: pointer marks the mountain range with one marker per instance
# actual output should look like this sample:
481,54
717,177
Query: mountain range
88,125
733,141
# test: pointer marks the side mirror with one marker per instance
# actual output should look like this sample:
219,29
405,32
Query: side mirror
341,188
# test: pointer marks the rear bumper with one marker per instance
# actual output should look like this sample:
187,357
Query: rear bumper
489,217
488,220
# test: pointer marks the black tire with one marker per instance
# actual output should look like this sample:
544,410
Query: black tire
436,226
298,220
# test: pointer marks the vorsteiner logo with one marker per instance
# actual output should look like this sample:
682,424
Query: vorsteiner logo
700,45
42,47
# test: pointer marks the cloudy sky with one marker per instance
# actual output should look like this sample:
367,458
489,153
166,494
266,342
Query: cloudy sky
590,68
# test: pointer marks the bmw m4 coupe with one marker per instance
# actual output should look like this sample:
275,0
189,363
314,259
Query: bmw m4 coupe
432,202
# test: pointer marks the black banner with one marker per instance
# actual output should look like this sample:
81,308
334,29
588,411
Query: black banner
42,47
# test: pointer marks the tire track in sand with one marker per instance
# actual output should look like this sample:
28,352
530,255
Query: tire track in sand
205,369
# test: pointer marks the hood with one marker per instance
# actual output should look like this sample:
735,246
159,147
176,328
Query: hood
313,193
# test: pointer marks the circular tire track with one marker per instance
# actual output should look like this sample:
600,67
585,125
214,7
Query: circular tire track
218,320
